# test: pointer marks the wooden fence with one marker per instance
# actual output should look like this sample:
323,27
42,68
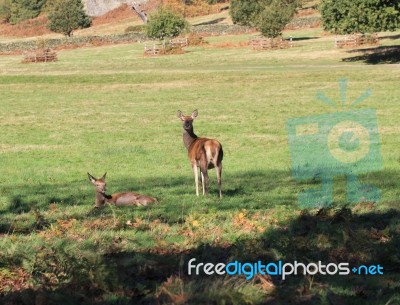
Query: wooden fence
179,42
46,55
163,48
154,49
262,43
352,41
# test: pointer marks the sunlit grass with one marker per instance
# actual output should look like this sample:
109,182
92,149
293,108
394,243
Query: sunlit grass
112,109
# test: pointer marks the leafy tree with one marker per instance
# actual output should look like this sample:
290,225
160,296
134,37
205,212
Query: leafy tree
246,12
24,9
165,23
268,16
360,16
275,17
5,10
65,16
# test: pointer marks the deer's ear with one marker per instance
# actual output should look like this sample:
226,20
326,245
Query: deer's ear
179,114
104,176
195,113
91,178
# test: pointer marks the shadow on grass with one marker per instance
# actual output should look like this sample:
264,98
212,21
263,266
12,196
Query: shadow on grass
239,192
303,38
393,37
214,21
378,55
160,276
252,190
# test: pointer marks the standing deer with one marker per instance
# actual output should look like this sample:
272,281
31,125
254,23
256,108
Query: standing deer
126,198
203,152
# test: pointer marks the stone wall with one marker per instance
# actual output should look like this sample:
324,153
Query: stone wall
78,41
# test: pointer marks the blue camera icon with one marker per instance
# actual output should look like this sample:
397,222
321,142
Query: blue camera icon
327,145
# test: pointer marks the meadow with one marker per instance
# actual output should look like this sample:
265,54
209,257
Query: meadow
110,109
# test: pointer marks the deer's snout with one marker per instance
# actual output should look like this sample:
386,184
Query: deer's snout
101,188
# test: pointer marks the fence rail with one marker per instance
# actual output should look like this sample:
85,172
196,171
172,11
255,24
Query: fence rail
154,49
352,41
166,46
262,43
179,42
41,56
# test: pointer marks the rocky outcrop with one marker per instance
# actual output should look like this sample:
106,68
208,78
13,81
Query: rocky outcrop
100,7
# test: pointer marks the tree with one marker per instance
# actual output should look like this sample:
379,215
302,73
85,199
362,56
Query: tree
5,10
268,16
165,23
275,17
24,9
65,16
360,16
246,12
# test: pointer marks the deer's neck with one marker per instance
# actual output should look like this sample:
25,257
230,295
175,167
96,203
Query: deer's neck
188,138
102,198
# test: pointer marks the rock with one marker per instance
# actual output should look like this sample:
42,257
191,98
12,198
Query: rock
100,7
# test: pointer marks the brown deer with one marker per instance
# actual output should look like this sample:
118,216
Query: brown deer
126,198
203,152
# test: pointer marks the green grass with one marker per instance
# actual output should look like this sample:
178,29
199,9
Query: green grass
111,109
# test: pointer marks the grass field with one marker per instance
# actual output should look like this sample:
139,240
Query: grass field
109,109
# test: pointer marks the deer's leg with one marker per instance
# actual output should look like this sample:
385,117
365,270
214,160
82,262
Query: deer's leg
204,176
218,169
196,178
202,183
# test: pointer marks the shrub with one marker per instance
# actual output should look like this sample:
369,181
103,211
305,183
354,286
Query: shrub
66,16
360,16
5,10
268,16
24,9
195,39
275,17
165,23
245,12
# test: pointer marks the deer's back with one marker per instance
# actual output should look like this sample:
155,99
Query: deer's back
131,198
210,148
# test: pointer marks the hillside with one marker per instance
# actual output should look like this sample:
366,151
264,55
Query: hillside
118,19
100,7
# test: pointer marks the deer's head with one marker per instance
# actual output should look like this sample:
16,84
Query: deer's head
187,119
99,184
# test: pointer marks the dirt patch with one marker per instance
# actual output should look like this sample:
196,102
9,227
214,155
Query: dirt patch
38,26
120,13
28,28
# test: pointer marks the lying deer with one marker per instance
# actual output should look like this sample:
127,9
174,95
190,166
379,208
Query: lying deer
126,198
204,153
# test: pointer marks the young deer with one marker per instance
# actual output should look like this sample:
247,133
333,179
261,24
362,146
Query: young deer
204,153
126,198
